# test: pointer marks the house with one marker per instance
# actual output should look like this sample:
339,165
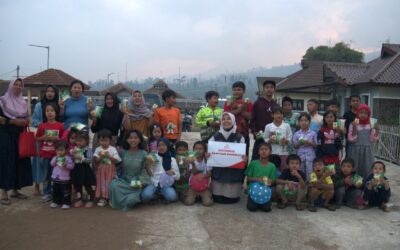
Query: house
37,83
377,82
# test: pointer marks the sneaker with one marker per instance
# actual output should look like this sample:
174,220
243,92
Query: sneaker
54,205
101,203
46,198
65,206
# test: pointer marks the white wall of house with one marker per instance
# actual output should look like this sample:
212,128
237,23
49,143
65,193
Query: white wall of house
302,96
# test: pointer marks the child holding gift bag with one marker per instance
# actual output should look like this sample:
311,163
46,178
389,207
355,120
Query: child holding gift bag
105,158
163,173
305,141
48,134
362,136
279,135
62,165
200,176
377,189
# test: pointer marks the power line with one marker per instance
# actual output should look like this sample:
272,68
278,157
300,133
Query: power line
9,72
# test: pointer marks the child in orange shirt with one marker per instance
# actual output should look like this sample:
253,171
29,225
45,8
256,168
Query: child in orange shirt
169,117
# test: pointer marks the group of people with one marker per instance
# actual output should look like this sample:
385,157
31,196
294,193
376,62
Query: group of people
137,154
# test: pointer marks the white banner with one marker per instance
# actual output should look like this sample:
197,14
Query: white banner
226,154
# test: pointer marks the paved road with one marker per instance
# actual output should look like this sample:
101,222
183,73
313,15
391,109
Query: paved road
30,225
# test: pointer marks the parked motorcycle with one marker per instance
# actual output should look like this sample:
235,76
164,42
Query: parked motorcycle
187,123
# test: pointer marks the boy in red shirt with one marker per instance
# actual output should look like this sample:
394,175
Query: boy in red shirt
241,108
169,117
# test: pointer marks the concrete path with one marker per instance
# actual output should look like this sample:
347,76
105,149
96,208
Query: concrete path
30,224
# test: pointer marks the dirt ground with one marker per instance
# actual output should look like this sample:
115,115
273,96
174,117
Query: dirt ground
30,224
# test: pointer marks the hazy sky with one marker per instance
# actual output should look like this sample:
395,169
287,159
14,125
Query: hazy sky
89,39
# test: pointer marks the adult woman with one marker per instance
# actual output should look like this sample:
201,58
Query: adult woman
137,114
38,116
226,183
15,173
76,108
110,118
122,194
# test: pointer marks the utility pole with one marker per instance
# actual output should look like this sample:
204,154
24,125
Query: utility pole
17,71
48,52
126,72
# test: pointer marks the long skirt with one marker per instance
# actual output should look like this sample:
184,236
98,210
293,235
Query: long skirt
104,175
122,195
15,172
226,192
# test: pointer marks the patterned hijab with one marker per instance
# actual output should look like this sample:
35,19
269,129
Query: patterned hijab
14,106
138,112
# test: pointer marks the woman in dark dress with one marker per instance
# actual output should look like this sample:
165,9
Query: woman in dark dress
15,173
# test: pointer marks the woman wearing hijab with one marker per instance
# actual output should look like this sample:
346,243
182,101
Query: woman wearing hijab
110,118
226,183
138,115
15,173
38,116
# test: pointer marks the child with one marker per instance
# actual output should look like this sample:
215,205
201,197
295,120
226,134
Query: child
279,135
362,136
261,171
377,189
62,165
329,140
350,115
226,183
321,188
82,174
71,139
208,118
155,135
316,119
200,170
347,185
241,108
48,134
289,116
262,114
182,185
291,184
169,117
164,166
105,157
305,141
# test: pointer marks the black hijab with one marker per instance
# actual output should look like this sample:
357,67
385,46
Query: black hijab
111,117
166,157
54,101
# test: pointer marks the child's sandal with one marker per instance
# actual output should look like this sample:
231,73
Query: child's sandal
385,208
299,207
281,205
311,208
78,204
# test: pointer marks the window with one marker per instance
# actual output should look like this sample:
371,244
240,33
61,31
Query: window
322,105
298,105
365,98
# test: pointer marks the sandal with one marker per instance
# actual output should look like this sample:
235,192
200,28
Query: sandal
78,204
89,204
311,208
385,208
18,195
299,207
5,201
329,207
281,205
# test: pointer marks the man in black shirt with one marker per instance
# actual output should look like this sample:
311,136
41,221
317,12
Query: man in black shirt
350,115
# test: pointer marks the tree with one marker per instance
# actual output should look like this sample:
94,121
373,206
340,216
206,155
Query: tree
341,52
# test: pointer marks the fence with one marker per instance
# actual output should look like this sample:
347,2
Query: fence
388,145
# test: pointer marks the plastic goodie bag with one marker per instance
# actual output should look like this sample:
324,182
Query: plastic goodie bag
166,180
260,193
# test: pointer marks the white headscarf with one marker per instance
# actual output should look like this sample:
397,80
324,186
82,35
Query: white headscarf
225,133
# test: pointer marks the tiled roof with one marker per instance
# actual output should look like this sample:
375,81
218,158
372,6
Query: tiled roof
159,87
310,75
390,49
116,89
348,72
390,74
51,76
